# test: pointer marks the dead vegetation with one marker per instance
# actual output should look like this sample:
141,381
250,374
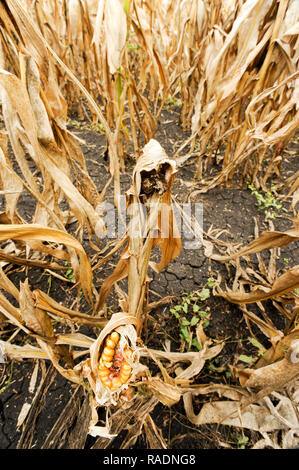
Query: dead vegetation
234,67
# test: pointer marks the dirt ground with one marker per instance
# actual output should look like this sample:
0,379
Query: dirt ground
233,210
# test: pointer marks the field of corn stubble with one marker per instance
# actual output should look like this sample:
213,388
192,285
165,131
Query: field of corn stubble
149,224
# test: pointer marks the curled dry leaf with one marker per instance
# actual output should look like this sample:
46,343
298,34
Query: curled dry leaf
196,359
37,232
273,376
116,32
267,240
255,417
169,390
39,323
45,302
283,284
239,410
279,347
165,392
13,351
35,319
31,75
8,180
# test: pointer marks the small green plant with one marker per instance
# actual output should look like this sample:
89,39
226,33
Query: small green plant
69,274
258,345
267,202
189,314
172,101
132,47
242,441
246,359
82,126
9,379
211,282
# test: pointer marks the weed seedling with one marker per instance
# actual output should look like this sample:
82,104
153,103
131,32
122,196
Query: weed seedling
246,359
267,202
8,381
173,102
69,274
189,314
242,441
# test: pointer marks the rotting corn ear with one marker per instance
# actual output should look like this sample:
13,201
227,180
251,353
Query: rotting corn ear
114,371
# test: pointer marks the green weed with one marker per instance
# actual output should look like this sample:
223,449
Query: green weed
9,379
267,202
189,313
82,126
173,102
241,441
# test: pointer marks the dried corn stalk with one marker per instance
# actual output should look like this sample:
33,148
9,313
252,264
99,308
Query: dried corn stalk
243,89
23,110
152,223
51,163
233,65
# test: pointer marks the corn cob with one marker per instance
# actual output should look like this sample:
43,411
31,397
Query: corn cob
113,368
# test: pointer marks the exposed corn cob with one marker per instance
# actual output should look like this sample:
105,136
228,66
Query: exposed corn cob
114,370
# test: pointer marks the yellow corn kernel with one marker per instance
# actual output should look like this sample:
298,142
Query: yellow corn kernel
106,382
114,336
106,358
116,383
108,364
108,352
124,378
104,378
125,372
110,343
104,372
